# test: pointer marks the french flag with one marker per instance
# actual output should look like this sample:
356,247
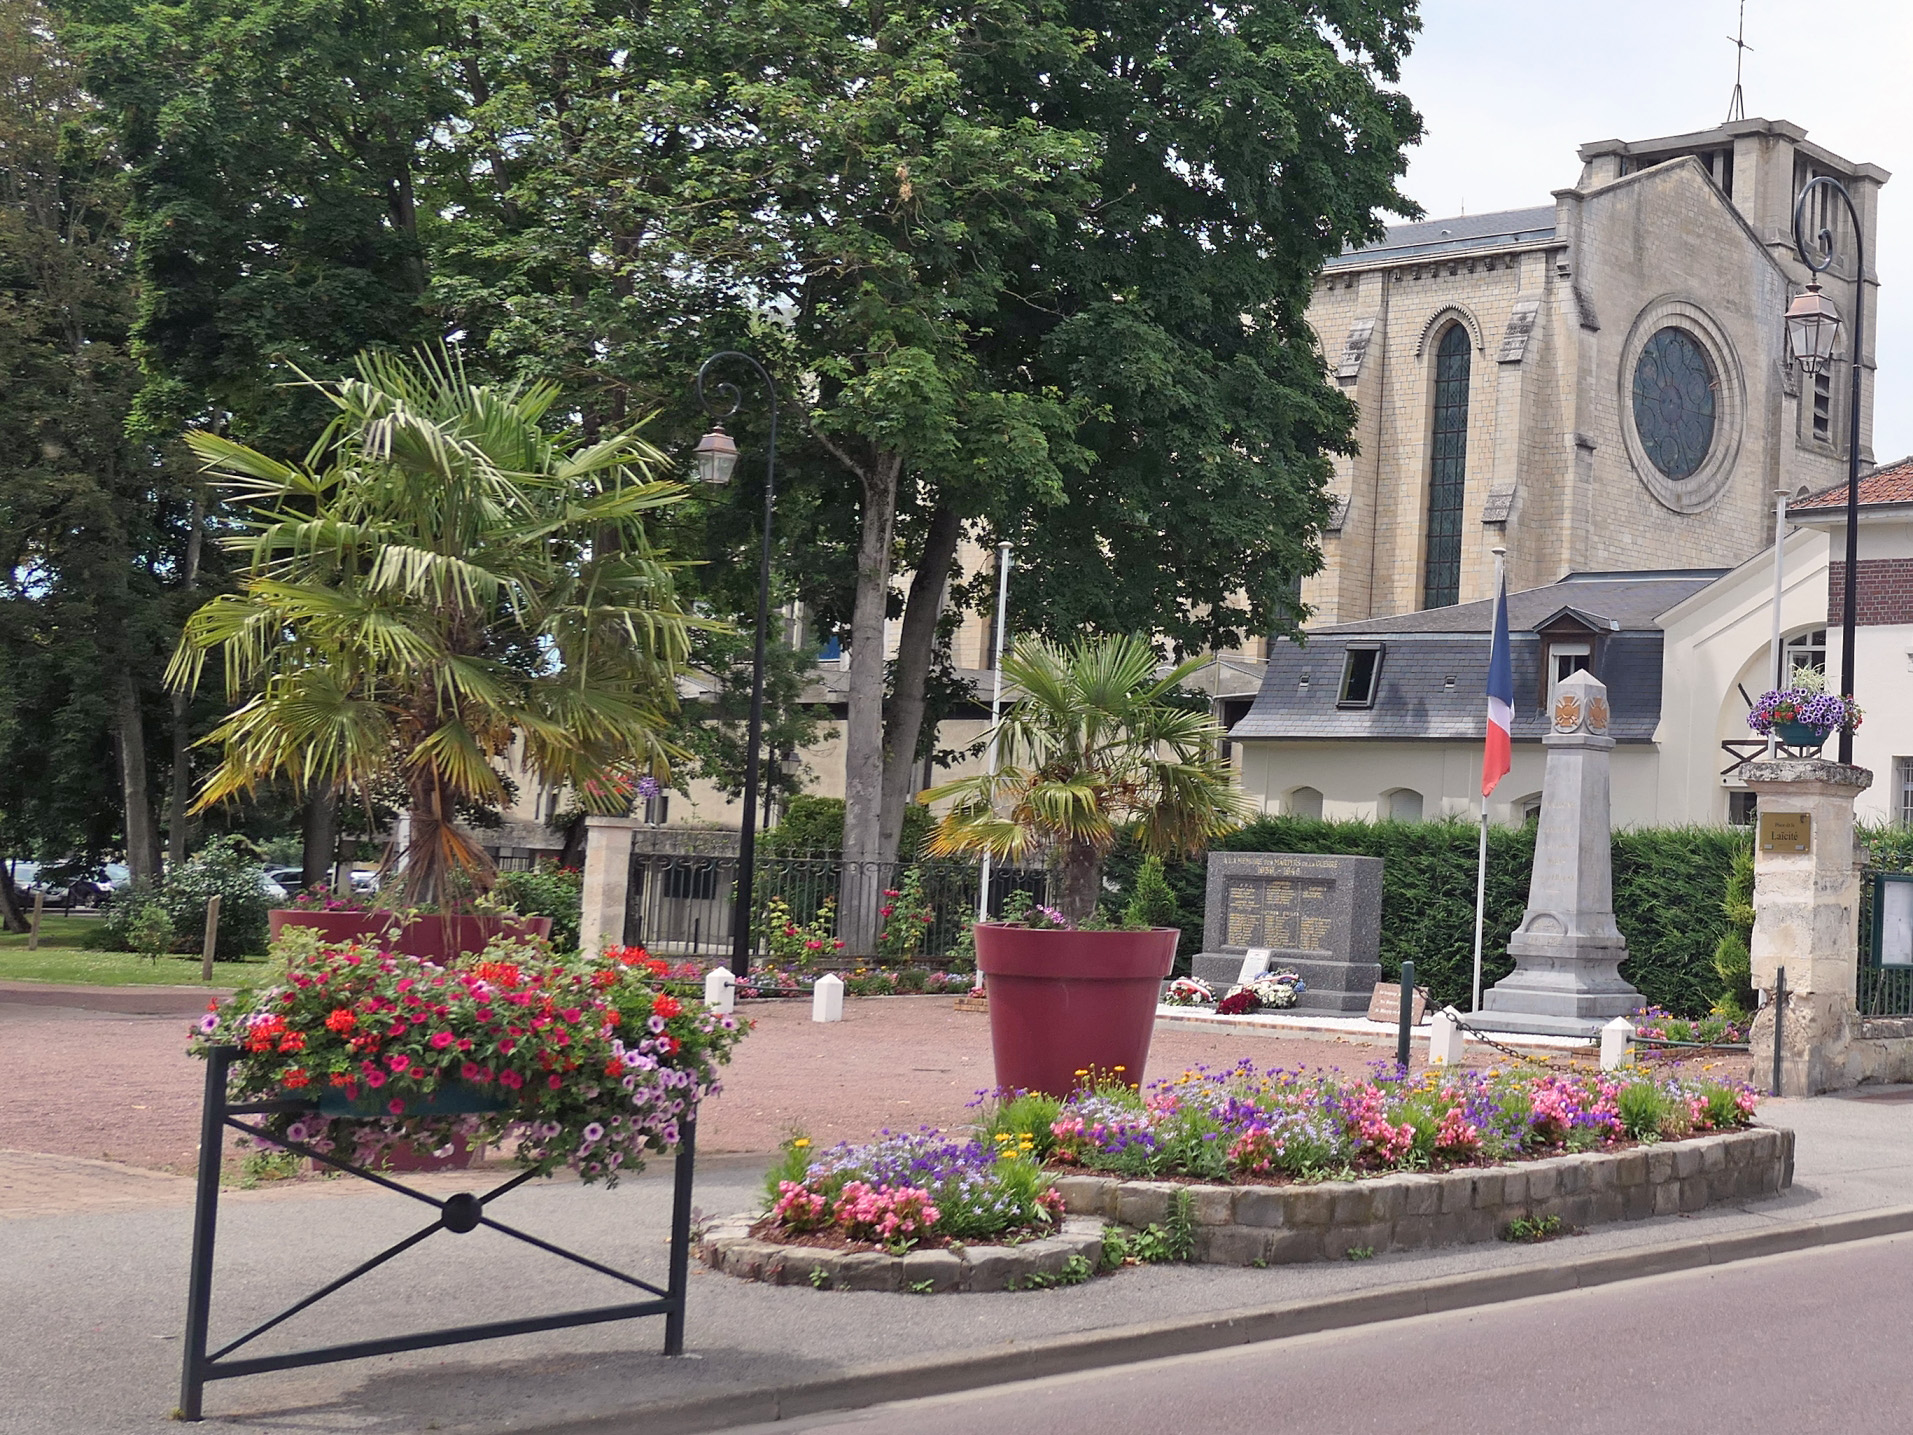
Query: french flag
1499,755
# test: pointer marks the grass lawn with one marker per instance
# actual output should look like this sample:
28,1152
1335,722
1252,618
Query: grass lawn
60,959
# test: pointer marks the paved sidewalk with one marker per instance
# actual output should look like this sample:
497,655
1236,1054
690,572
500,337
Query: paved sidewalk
95,1298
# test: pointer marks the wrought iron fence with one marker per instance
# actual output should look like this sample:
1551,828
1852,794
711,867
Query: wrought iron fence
1885,984
682,904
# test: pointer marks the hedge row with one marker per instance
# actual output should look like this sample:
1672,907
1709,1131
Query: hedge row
1668,887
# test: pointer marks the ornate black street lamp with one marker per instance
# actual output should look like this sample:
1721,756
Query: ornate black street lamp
1813,327
716,455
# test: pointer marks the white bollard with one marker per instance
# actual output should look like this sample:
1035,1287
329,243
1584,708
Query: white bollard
1444,1038
827,998
720,989
1615,1037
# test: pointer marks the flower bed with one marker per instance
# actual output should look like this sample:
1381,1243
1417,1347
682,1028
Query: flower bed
1655,1024
1242,1124
585,1061
908,1190
858,982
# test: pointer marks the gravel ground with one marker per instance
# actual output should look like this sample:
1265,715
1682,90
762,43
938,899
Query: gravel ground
116,1083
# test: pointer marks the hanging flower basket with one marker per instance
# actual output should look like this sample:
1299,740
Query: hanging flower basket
1800,734
580,1062
1804,715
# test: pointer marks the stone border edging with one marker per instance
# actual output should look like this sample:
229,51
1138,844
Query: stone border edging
1407,1211
730,1247
1094,1350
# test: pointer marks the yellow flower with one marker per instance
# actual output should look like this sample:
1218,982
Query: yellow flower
1082,1071
800,1143
1119,1068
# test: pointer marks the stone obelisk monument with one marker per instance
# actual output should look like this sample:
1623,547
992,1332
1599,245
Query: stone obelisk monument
1567,950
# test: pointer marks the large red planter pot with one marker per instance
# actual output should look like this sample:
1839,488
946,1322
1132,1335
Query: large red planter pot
431,938
1064,1002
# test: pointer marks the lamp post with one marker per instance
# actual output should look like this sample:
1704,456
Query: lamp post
716,455
1813,326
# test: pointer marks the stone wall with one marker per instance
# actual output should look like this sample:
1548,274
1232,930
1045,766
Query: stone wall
1281,1225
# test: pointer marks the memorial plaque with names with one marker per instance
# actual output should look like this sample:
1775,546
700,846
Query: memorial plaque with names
1317,914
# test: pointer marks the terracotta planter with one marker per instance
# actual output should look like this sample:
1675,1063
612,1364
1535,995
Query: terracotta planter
1064,1002
432,938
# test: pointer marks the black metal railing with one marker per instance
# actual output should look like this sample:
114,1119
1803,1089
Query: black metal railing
1885,983
681,905
457,1214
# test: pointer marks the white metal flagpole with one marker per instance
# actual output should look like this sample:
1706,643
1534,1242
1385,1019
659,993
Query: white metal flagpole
1481,855
996,702
1778,678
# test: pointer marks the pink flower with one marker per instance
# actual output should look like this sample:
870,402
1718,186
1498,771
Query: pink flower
375,1077
398,1061
511,1079
395,1106
440,1040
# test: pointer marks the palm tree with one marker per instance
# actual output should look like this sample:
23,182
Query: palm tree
439,576
1096,746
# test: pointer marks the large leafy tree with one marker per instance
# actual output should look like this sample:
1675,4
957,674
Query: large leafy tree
271,152
1030,269
93,521
440,578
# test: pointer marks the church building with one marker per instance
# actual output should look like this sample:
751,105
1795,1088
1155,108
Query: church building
1597,384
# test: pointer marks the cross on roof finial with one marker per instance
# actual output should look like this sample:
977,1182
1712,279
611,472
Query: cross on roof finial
1737,106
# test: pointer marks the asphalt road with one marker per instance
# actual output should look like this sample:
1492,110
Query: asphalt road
1806,1343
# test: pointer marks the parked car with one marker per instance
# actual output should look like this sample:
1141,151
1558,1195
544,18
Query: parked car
75,885
292,879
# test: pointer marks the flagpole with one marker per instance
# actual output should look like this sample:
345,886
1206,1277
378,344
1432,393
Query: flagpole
996,705
1481,856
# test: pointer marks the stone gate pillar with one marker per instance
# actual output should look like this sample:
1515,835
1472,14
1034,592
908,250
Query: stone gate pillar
1807,920
607,884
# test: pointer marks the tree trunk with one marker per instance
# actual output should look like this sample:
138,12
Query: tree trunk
142,835
11,918
863,736
321,839
1080,878
916,647
573,854
182,775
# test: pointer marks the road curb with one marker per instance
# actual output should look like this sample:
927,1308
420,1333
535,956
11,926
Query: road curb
1125,1345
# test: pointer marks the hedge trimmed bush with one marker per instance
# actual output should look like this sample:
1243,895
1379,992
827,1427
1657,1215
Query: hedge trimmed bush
1669,883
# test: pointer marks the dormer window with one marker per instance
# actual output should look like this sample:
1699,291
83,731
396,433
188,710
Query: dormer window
1564,661
1361,676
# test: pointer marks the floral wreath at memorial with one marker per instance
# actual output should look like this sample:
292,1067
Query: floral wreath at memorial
585,1060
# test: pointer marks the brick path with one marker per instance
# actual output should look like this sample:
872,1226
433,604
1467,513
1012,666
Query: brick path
113,1094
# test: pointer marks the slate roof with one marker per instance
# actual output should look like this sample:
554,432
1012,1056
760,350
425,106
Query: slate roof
1628,599
1890,483
1434,668
1457,235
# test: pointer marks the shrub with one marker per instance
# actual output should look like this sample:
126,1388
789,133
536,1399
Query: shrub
1152,902
150,933
1669,883
548,890
224,867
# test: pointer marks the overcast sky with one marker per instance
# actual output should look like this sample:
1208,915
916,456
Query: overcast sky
1508,89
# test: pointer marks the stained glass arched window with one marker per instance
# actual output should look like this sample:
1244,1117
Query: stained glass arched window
1447,471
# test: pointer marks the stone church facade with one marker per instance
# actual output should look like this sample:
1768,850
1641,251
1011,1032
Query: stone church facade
1598,384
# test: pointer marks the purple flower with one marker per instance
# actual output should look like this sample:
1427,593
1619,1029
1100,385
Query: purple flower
649,787
209,1023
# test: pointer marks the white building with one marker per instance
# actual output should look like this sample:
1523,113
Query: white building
1385,718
